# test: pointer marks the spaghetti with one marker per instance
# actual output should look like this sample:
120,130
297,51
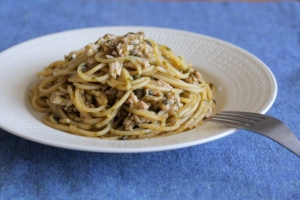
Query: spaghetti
122,87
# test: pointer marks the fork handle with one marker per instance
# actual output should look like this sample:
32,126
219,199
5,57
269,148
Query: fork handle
286,139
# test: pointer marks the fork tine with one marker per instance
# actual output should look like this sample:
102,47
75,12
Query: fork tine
251,114
238,124
235,118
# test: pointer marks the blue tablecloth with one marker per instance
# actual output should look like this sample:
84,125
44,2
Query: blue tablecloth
243,165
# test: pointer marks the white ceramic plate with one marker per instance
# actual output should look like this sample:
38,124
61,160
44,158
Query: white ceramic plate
243,82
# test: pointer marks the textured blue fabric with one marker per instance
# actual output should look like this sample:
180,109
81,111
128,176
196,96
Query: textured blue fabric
241,166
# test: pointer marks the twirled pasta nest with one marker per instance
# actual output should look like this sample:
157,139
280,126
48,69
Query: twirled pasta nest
122,87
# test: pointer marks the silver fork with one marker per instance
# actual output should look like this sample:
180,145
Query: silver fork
265,125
